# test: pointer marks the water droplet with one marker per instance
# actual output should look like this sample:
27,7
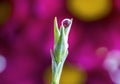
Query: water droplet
66,23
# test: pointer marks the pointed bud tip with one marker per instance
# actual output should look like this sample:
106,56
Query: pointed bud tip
55,18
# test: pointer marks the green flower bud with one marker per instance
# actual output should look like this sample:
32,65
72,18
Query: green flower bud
60,51
61,39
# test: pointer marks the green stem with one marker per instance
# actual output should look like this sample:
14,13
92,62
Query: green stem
57,74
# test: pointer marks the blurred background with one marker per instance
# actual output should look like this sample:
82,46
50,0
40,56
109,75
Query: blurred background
26,36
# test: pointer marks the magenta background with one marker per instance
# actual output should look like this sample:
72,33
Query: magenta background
27,36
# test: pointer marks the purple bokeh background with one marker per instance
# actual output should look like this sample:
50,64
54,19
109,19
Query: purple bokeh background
26,37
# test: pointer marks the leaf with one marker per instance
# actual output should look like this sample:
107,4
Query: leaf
56,31
60,48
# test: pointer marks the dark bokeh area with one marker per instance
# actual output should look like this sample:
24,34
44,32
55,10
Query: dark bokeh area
26,36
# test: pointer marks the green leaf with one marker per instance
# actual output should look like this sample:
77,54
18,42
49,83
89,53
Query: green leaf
56,31
60,48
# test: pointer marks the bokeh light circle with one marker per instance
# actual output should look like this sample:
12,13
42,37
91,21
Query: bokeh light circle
112,65
70,75
5,11
2,63
102,51
89,10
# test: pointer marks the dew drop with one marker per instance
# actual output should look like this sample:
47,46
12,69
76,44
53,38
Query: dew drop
66,23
